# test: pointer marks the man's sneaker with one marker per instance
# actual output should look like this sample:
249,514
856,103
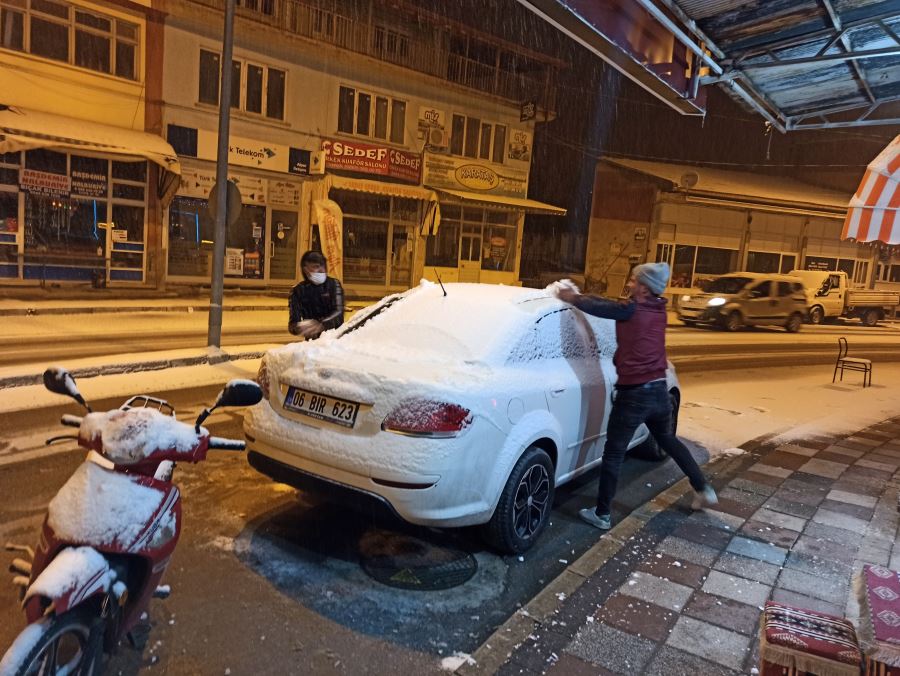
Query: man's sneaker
705,498
590,515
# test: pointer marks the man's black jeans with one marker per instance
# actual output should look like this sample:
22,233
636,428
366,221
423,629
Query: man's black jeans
633,405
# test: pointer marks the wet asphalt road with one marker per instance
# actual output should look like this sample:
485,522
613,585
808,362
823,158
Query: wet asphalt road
267,580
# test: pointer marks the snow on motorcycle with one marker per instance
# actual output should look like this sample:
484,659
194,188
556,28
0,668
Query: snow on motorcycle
110,531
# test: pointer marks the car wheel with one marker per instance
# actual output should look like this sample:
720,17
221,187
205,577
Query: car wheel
794,322
816,315
870,318
734,321
524,506
649,449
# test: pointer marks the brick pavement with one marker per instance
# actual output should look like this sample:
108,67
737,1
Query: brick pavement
671,592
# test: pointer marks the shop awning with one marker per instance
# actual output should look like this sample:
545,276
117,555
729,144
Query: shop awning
510,203
413,192
872,213
25,129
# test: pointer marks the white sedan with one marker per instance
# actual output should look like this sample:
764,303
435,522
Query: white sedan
451,406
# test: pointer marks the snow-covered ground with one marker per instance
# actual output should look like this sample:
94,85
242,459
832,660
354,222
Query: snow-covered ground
720,410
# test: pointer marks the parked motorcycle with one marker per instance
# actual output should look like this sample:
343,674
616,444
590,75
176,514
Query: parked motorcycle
109,532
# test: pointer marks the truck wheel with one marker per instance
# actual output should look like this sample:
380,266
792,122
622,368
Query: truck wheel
794,322
734,321
870,317
816,315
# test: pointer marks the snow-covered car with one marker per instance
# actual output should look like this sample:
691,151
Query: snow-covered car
452,406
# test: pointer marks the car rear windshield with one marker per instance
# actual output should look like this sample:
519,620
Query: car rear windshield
727,285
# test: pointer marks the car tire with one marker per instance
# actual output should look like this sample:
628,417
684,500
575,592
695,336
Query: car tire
794,322
525,503
733,322
870,317
648,449
816,315
689,322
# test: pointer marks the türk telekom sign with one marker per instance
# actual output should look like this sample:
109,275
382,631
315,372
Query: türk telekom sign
365,158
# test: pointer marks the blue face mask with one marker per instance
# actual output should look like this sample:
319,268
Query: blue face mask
317,277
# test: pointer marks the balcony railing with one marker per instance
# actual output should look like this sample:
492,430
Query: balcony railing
422,53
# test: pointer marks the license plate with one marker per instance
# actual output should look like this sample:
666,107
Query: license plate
321,407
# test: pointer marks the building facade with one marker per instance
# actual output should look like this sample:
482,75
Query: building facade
706,222
412,127
416,126
82,166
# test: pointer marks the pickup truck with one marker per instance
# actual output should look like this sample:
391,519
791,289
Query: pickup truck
829,297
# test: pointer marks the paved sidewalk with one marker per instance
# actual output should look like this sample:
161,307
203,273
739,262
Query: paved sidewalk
672,592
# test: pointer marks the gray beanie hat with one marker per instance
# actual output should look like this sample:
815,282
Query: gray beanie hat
654,275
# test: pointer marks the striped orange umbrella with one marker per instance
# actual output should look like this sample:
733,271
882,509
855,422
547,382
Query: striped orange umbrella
872,212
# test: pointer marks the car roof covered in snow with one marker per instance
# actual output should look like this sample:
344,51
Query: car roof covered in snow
469,322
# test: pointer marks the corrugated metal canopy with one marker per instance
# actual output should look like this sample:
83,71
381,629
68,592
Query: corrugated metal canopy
801,64
811,63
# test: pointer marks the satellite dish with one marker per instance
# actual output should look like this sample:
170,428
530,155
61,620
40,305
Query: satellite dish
689,179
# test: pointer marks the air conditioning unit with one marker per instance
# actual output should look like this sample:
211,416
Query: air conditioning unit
438,138
317,162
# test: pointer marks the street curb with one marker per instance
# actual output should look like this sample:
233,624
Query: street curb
500,645
134,367
33,311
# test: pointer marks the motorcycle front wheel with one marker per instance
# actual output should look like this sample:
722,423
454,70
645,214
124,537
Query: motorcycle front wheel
70,643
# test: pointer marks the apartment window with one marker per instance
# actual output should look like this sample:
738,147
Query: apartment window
58,31
368,114
473,137
266,7
255,88
389,44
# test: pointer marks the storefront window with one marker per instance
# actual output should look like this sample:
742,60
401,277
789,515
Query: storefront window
846,265
683,266
379,237
191,229
894,274
498,241
788,263
761,261
442,249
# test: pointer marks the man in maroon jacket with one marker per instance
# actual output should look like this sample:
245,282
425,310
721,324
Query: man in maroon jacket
641,393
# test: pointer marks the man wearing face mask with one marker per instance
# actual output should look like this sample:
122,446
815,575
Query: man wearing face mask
317,303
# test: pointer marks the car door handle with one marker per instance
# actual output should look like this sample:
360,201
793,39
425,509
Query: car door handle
558,392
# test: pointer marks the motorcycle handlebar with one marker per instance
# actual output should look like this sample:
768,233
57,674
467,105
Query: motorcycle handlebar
221,443
71,420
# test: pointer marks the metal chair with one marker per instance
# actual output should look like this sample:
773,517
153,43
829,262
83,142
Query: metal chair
851,363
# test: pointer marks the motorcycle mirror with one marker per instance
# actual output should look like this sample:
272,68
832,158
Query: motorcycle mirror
59,381
239,393
236,393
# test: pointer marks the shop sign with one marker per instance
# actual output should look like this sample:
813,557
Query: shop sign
44,183
89,183
640,234
197,182
298,161
456,173
284,192
366,158
432,128
528,111
118,234
234,261
248,152
519,147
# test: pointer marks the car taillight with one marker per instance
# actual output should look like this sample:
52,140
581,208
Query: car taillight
262,377
427,418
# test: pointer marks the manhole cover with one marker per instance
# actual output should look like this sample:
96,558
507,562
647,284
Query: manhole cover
407,562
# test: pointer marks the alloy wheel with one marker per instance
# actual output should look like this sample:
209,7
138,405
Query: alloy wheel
532,501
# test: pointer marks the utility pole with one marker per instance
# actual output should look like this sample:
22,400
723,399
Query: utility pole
214,336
